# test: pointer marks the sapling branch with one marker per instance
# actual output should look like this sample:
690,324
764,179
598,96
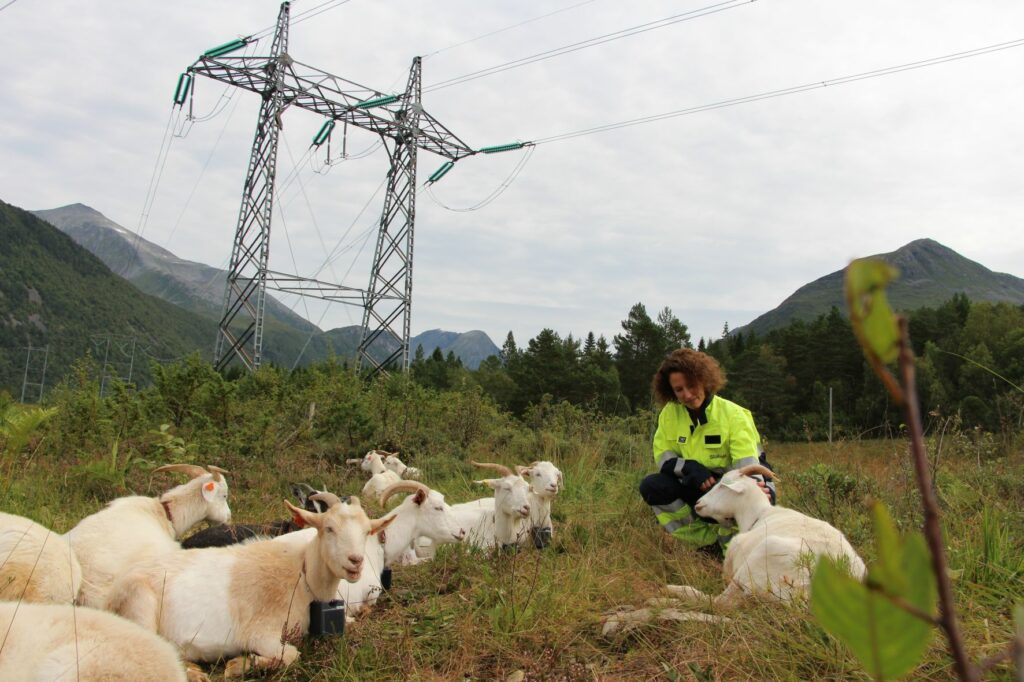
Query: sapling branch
932,528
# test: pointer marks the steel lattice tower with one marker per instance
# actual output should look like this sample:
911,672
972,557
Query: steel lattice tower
389,296
404,128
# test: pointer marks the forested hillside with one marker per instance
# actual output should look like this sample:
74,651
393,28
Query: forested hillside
54,293
970,368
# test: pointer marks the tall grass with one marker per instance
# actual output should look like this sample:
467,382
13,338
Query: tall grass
470,615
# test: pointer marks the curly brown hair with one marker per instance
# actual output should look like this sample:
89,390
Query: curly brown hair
694,365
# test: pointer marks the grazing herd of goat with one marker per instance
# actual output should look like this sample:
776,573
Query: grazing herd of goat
122,596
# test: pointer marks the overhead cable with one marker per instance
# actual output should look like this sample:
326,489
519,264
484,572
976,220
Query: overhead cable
507,28
590,42
299,17
843,80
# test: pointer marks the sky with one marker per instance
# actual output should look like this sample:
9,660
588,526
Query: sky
718,215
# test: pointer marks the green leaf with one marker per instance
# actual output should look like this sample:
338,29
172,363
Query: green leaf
870,314
886,638
887,572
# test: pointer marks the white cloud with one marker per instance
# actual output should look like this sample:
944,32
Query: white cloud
719,215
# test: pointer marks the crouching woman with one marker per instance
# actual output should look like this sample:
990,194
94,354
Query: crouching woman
700,436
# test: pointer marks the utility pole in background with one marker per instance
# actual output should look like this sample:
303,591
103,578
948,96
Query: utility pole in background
25,383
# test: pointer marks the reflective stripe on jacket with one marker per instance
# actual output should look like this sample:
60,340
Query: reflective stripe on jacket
727,440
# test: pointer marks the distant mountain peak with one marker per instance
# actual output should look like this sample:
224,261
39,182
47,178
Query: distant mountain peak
930,273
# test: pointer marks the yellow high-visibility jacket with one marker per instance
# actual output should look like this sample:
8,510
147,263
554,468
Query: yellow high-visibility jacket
724,437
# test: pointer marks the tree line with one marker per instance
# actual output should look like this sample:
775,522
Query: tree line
807,380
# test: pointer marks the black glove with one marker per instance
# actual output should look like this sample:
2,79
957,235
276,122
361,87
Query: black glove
691,475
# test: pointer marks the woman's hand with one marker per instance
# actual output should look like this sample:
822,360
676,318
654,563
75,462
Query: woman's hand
706,485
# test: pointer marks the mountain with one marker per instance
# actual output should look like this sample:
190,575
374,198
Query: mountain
471,347
153,269
930,274
199,289
55,294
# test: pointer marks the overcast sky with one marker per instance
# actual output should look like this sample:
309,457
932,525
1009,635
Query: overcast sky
719,215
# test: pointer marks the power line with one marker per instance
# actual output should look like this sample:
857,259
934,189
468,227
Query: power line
302,16
8,5
507,28
590,42
771,94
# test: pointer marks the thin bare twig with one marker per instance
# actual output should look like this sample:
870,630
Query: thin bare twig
932,528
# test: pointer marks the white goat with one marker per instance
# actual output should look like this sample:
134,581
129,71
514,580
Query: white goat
133,529
769,554
36,564
380,476
391,461
423,513
501,520
62,642
772,555
221,602
545,481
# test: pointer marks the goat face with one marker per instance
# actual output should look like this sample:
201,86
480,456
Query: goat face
511,495
720,503
544,477
373,462
437,519
342,531
394,464
215,495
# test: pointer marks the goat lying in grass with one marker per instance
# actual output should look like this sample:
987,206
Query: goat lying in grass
391,462
772,556
36,564
63,642
501,520
224,602
133,529
423,513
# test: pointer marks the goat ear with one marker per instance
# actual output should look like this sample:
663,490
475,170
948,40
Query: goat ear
309,518
732,485
523,471
559,483
420,497
377,525
209,491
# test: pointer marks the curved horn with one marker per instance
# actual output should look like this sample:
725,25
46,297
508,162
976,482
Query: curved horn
193,470
217,471
329,498
403,487
759,469
500,468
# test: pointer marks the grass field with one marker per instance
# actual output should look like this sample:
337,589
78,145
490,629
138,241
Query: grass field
535,615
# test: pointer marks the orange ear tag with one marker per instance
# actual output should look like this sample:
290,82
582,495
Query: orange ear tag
210,487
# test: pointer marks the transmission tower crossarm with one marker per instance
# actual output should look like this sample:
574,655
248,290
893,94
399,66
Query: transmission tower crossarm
305,286
336,98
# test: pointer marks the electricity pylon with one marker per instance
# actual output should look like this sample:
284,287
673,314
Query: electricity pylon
404,128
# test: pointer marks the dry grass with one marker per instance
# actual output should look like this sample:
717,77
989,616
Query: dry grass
468,616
